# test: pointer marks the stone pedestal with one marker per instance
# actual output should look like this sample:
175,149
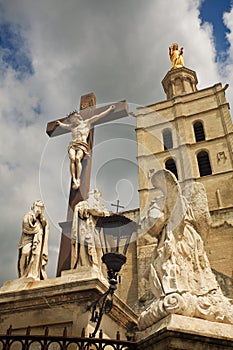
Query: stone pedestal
179,81
186,333
60,302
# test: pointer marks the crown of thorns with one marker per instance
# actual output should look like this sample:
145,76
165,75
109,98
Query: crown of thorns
74,111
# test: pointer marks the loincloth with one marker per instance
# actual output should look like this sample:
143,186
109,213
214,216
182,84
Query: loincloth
79,145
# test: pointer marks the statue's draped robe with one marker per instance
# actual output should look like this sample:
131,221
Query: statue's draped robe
87,240
33,242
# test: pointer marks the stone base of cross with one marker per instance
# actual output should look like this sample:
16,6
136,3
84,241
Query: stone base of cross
88,109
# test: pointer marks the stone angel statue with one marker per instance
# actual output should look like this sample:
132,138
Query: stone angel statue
180,275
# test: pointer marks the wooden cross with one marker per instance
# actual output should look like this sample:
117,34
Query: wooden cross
117,205
87,110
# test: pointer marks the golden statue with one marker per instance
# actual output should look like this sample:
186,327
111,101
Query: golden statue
176,56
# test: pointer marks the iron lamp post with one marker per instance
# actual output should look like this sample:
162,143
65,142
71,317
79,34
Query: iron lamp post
117,232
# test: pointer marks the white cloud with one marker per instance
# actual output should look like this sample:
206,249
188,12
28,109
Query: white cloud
228,18
118,49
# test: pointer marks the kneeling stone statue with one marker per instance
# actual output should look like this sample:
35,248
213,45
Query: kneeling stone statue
180,275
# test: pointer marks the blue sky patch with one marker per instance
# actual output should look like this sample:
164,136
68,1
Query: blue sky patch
13,50
212,11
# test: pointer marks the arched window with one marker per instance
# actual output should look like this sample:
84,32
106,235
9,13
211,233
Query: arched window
167,139
171,165
199,131
204,163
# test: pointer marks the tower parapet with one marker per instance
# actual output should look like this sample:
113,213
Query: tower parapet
179,81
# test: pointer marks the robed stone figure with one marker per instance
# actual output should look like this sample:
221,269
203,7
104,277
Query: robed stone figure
87,240
33,245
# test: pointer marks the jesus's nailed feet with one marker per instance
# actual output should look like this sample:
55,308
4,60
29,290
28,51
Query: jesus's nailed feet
76,184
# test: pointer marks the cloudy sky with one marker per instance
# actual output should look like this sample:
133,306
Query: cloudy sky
54,51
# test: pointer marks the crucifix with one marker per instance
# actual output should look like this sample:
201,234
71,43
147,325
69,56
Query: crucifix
81,124
117,205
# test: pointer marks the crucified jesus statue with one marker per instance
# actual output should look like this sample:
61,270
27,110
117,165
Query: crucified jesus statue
78,147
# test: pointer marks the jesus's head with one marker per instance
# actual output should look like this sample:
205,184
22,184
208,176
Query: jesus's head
75,117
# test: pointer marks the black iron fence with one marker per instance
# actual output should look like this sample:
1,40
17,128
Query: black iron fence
10,341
